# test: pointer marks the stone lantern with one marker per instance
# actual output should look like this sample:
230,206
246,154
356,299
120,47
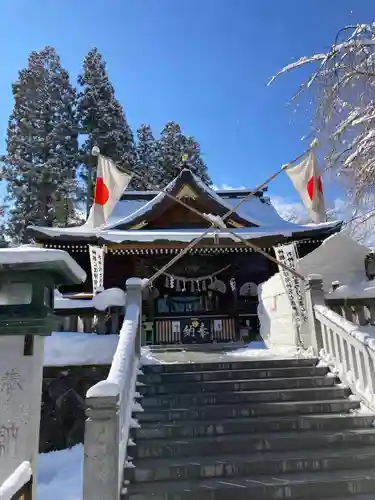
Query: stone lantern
28,276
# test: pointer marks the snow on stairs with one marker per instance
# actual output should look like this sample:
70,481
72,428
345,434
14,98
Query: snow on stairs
264,429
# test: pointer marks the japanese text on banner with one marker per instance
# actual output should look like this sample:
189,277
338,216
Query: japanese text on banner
97,267
287,255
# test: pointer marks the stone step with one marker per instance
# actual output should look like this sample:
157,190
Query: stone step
219,412
192,468
205,348
236,385
352,497
306,486
247,443
244,374
235,397
196,428
263,364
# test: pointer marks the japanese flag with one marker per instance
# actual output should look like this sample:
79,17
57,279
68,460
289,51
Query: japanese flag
307,181
110,184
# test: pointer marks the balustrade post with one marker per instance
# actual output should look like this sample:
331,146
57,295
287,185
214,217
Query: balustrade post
134,296
314,296
101,446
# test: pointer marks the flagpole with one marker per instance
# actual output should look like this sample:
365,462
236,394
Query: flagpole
94,152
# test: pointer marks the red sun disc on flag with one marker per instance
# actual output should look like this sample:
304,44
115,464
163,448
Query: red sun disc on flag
311,186
101,192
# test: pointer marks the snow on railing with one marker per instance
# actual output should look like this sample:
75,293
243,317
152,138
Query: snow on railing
355,303
16,482
347,347
109,407
350,350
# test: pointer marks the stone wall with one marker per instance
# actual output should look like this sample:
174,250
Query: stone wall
63,404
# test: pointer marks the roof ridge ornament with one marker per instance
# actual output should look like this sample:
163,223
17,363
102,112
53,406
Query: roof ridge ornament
184,165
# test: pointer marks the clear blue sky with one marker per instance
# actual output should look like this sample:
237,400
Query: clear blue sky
202,63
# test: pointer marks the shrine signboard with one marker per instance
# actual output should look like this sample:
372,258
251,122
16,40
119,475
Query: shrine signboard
195,331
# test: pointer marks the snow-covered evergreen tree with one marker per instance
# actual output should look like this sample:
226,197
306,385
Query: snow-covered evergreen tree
40,165
172,146
343,85
146,164
102,117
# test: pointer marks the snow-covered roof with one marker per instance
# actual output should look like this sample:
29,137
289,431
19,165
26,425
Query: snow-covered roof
185,236
57,261
135,207
256,210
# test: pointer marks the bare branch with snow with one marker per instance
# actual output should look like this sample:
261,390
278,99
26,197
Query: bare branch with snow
343,85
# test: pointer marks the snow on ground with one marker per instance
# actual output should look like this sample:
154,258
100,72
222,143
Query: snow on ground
60,475
72,348
77,349
253,350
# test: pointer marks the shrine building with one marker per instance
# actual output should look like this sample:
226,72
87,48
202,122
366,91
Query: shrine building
210,294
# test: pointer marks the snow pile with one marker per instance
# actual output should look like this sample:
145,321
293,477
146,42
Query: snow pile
338,258
61,302
360,290
112,297
109,298
16,481
60,475
76,349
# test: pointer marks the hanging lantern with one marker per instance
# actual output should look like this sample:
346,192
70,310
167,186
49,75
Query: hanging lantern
233,284
166,284
198,289
171,283
178,286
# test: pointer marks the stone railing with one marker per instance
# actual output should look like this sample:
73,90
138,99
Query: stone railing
109,407
346,346
358,308
18,486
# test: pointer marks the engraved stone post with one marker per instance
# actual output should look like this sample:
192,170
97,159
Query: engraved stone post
101,445
314,296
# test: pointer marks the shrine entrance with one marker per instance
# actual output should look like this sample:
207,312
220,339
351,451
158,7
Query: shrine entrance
203,300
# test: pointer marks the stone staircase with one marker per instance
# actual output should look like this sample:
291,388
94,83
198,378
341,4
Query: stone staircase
262,430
